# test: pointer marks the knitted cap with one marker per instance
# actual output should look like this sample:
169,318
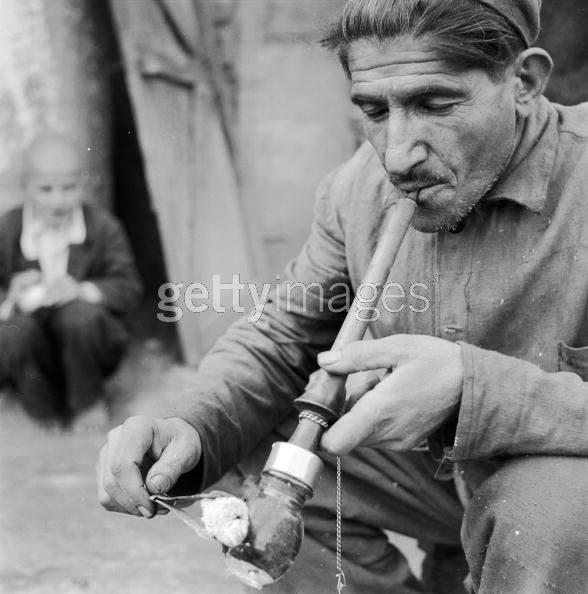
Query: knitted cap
523,15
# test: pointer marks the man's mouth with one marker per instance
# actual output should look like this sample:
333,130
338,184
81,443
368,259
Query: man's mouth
59,213
422,192
412,188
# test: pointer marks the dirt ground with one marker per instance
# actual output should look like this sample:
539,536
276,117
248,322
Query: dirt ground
56,539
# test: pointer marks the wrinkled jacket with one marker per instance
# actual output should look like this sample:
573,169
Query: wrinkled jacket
511,287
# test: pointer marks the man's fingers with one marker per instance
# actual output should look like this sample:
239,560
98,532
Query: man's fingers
358,384
366,421
122,479
129,452
364,355
103,496
109,495
352,429
180,455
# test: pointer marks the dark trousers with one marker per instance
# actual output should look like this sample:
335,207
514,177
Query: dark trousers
525,530
56,359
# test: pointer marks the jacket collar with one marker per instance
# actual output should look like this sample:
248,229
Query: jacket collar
526,179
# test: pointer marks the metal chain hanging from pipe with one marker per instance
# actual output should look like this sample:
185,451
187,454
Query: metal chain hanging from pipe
340,573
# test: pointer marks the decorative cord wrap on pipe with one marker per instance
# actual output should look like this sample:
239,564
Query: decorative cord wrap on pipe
306,414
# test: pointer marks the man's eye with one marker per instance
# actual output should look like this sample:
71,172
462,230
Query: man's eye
45,189
375,114
437,108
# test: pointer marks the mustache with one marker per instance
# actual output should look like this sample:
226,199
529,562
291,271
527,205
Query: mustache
417,178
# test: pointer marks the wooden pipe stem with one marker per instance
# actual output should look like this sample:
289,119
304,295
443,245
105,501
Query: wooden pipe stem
320,406
325,394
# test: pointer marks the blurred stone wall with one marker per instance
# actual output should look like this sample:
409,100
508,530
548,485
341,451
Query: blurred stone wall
294,118
55,60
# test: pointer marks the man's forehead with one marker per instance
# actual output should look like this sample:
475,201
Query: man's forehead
406,54
53,177
402,63
52,155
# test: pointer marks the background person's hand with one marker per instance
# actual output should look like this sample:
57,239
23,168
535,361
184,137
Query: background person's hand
172,446
401,411
61,291
25,292
31,299
24,280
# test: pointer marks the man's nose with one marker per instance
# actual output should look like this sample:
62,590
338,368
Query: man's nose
404,149
56,196
53,202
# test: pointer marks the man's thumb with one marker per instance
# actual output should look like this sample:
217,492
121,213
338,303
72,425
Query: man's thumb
179,456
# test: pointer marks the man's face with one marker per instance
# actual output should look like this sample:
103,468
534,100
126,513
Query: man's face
444,136
54,195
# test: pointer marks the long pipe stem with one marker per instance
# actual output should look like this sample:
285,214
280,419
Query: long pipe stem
325,394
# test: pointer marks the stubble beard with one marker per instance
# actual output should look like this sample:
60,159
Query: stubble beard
427,220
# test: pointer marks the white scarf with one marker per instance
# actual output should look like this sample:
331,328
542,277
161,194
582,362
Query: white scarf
48,245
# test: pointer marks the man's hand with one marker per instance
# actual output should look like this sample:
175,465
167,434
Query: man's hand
25,292
24,280
421,391
170,446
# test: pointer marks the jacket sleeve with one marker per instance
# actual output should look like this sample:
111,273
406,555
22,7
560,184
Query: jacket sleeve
10,227
512,407
116,275
4,259
246,384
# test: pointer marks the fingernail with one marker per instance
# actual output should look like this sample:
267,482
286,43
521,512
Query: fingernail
329,357
160,483
144,512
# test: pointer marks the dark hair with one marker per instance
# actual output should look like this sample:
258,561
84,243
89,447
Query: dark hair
466,33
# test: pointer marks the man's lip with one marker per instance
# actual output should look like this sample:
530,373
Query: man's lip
411,189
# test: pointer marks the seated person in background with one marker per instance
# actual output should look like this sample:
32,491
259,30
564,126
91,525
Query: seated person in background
67,281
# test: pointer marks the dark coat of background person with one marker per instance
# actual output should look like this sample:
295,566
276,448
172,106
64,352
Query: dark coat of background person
104,258
57,358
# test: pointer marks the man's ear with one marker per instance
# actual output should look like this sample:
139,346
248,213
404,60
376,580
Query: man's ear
533,69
